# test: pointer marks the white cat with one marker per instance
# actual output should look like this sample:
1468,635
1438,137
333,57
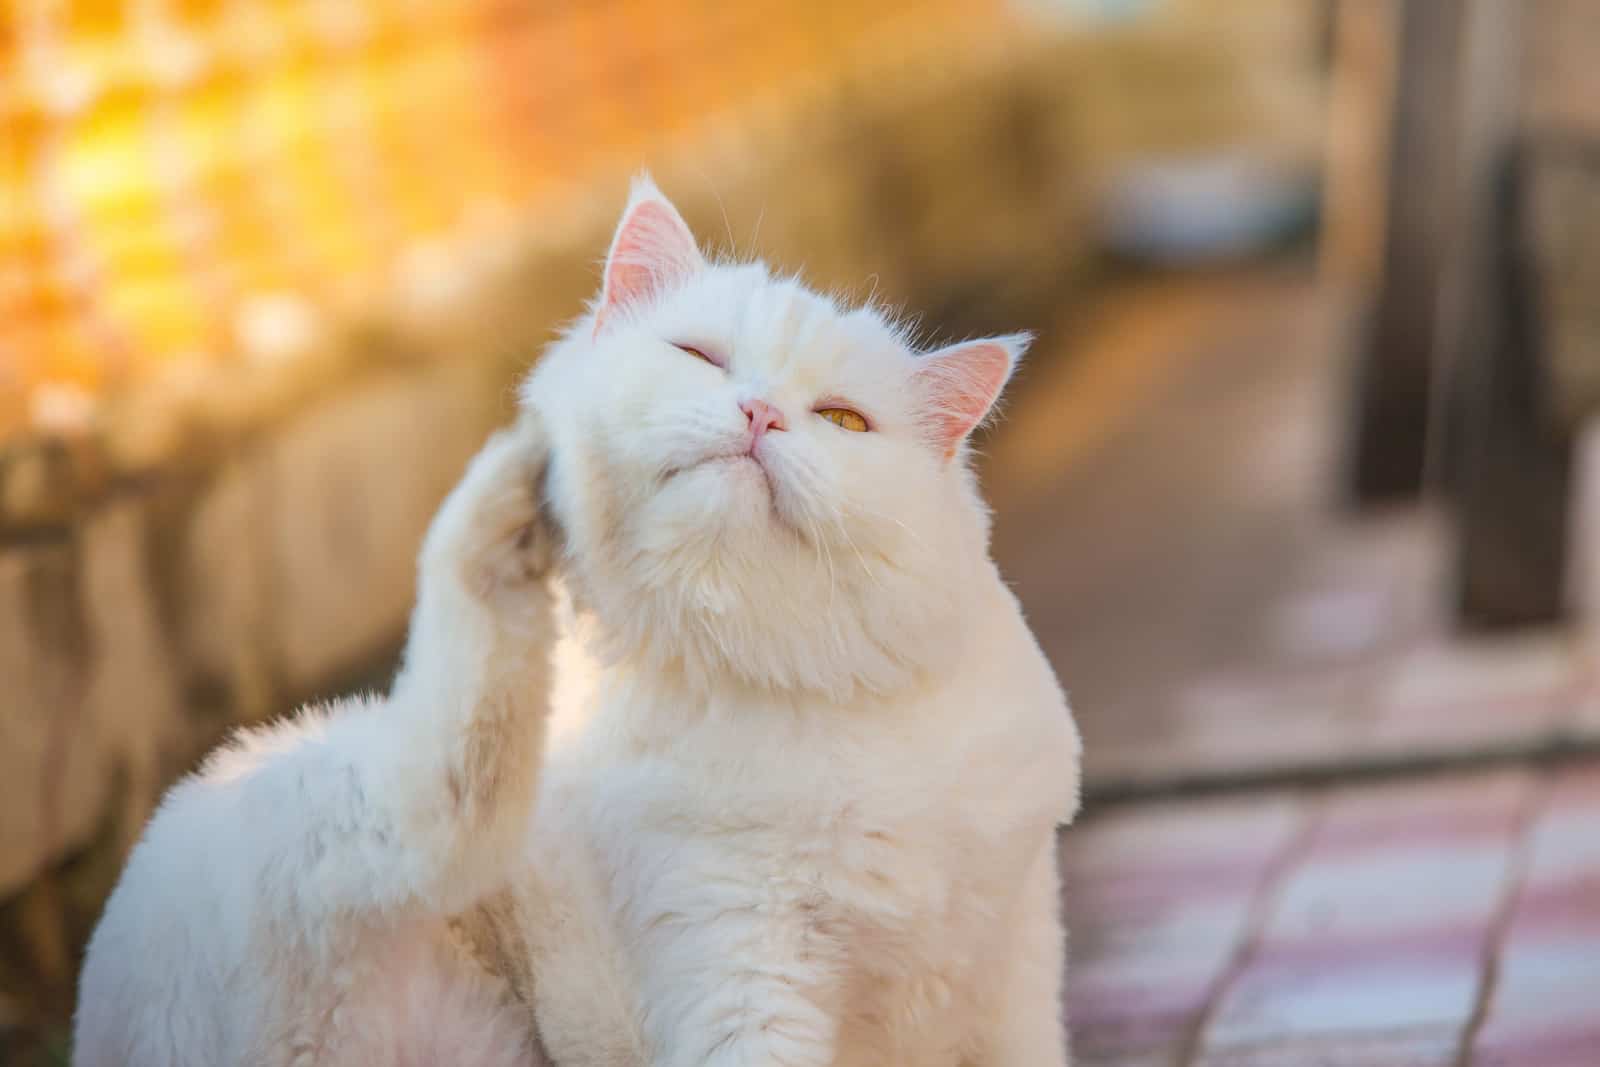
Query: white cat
804,765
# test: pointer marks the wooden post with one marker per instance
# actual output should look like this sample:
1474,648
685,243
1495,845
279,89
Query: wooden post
1394,377
1503,457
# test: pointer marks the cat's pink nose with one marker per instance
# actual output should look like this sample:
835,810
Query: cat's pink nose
763,416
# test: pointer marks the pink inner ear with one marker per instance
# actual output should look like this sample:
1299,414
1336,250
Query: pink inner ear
653,249
960,385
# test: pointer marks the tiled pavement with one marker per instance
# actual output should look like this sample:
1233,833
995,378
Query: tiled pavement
1455,702
1323,829
1437,922
1164,499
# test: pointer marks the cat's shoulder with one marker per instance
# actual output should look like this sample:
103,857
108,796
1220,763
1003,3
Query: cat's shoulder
1003,651
1023,712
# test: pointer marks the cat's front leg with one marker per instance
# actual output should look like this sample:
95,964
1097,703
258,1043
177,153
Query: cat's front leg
748,1016
1025,1027
741,977
264,882
470,701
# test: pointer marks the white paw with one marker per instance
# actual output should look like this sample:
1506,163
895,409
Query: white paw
491,534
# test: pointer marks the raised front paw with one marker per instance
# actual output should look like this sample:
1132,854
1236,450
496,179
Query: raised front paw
491,534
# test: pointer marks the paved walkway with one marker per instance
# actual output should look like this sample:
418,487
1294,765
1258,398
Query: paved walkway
1432,923
1165,508
1324,829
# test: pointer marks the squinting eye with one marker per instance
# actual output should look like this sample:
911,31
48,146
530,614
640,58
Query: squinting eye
697,353
853,421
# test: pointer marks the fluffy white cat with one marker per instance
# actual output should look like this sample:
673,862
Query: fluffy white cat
800,775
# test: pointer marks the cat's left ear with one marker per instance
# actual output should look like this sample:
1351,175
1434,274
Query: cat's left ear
958,386
652,251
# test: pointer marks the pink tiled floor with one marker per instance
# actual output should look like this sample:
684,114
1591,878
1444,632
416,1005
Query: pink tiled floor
1172,532
1450,920
1165,507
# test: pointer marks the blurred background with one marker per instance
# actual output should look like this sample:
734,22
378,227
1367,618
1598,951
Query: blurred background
1293,486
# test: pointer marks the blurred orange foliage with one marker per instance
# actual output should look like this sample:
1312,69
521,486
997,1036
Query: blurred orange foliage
160,161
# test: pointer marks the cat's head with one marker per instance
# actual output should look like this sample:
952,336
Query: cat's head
755,482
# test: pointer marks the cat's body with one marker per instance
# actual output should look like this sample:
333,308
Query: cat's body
804,765
878,880
289,904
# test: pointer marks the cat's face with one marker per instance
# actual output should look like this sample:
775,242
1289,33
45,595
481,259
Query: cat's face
755,482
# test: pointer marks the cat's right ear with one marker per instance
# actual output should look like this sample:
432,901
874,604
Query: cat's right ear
652,251
960,384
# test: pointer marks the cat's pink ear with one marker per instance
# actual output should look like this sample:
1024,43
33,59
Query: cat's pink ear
958,386
652,251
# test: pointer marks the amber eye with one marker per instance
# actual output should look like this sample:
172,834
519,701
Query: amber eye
844,418
697,353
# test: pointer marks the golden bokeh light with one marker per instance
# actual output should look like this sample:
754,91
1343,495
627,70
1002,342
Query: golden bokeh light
163,161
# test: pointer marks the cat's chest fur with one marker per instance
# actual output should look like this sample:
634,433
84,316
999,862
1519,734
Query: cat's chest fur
882,847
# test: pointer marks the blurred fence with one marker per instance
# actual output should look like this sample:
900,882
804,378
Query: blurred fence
161,162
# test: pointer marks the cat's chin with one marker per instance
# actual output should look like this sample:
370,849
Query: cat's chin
738,486
742,467
720,462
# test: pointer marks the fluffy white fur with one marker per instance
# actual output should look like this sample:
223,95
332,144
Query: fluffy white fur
804,764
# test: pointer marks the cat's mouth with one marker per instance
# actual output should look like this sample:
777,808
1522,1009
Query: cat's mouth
724,459
733,461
